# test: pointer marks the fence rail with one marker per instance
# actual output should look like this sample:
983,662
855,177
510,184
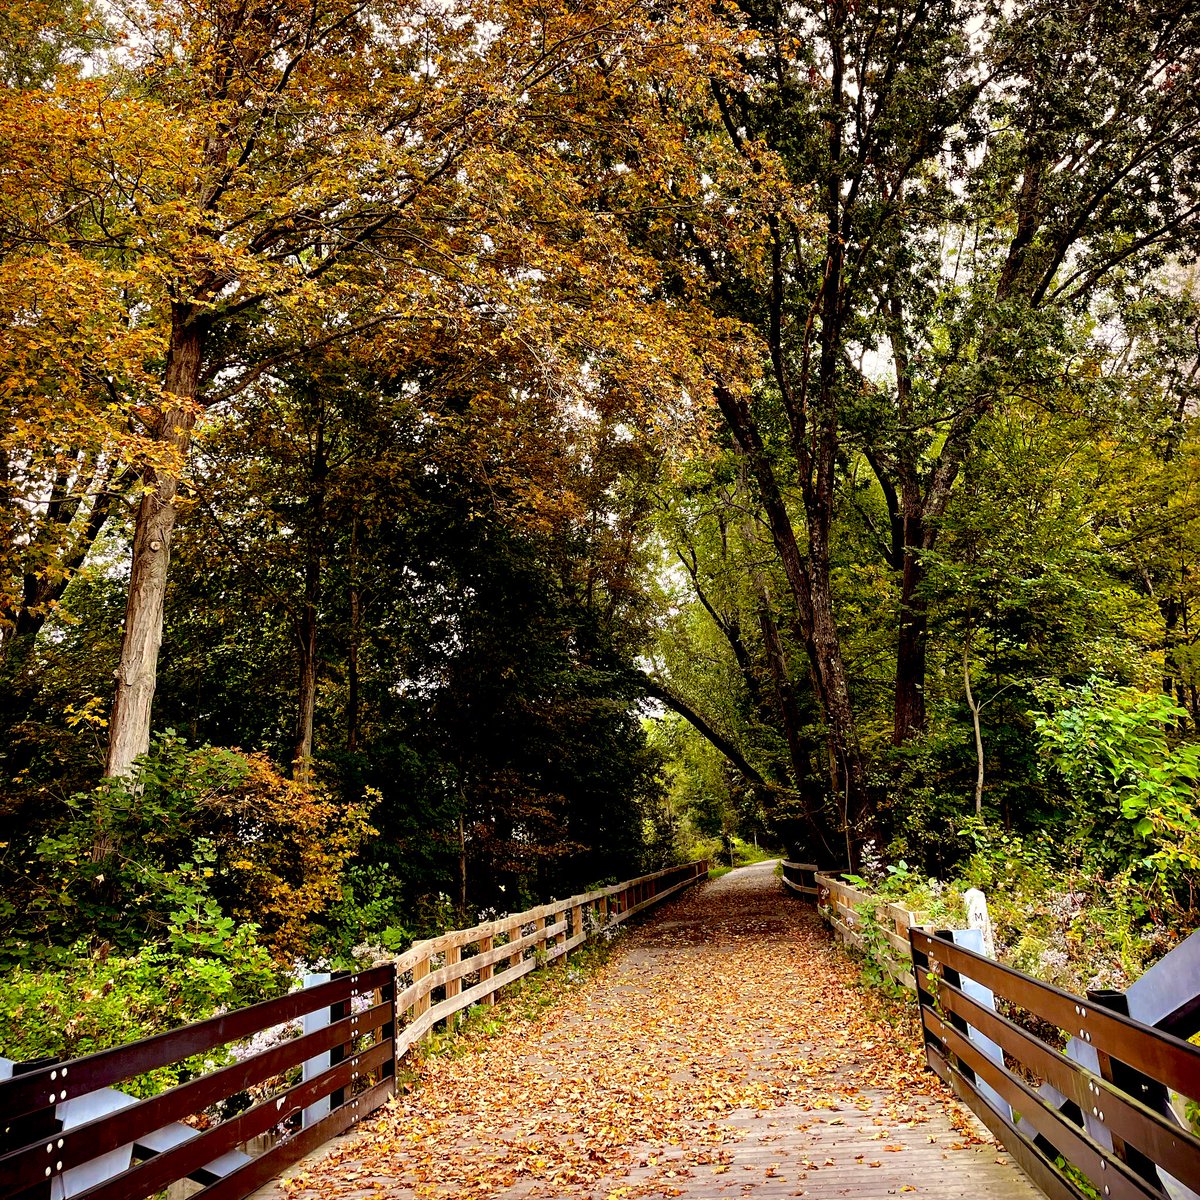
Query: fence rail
894,922
1117,1129
801,879
66,1132
441,976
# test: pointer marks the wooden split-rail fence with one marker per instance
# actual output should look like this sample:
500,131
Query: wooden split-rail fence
848,911
67,1132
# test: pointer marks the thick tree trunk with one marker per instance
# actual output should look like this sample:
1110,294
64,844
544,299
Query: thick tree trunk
846,761
137,669
810,584
785,693
786,707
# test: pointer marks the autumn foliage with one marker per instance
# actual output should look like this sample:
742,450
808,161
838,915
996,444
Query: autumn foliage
550,434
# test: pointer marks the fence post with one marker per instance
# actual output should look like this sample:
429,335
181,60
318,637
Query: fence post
485,973
389,992
1130,1081
321,1063
420,971
920,961
338,1011
453,986
979,918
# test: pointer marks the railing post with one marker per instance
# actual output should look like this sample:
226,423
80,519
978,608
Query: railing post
920,961
1130,1081
320,1063
387,1032
453,956
420,971
337,1012
511,933
485,973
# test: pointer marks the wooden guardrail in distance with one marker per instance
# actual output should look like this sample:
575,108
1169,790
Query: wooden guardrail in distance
801,879
439,977
1117,1131
894,921
66,1131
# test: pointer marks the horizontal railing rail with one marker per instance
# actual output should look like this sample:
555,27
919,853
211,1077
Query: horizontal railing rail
442,975
1076,1132
843,904
66,1131
801,879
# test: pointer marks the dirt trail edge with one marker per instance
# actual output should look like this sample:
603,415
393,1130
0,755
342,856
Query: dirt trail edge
724,1050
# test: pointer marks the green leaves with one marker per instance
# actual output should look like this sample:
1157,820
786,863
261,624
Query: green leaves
1112,743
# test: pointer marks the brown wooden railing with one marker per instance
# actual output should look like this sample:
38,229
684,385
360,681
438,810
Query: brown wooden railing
66,1131
841,903
439,977
801,879
1111,1132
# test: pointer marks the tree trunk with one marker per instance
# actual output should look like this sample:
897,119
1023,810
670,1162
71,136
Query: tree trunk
355,637
43,591
777,661
810,584
912,640
785,693
974,707
306,626
306,638
137,669
845,754
462,863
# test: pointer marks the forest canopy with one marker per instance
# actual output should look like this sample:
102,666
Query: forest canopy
455,453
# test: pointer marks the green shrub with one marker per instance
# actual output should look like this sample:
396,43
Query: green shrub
98,999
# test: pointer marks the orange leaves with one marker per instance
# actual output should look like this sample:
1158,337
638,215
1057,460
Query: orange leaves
716,1052
294,844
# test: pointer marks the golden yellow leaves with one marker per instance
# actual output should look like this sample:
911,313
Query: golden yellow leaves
294,843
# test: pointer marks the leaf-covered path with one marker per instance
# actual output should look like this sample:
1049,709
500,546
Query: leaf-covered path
724,1050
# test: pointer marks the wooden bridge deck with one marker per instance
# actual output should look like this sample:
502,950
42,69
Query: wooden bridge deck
724,1051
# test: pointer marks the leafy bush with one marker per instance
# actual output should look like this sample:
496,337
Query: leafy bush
1059,917
1132,789
191,829
1055,914
98,999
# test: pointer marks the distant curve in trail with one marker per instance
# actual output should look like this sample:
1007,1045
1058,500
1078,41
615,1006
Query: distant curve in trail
724,1050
